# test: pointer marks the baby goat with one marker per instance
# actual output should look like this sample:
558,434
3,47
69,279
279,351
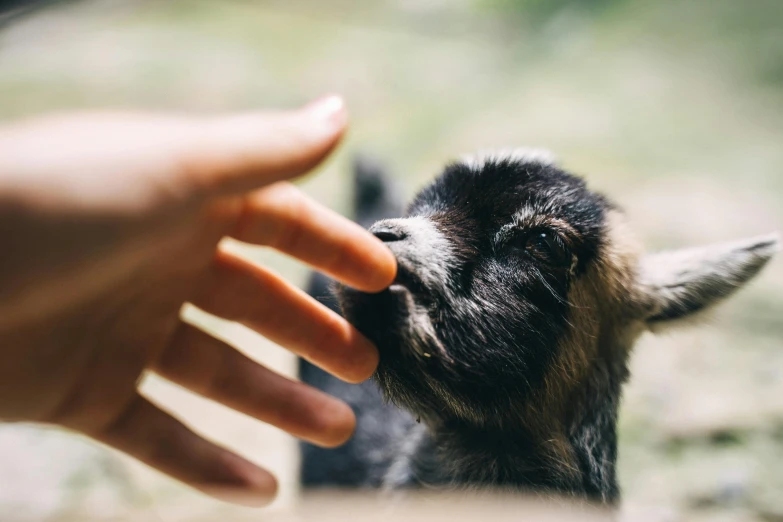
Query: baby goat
505,337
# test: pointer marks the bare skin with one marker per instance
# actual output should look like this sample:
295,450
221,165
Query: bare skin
110,222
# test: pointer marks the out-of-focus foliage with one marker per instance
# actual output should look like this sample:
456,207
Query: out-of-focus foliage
545,8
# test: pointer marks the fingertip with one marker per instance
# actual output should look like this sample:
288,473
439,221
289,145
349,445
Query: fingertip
330,110
381,268
360,367
323,122
255,487
336,424
387,271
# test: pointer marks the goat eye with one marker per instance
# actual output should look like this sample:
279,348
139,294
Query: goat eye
548,247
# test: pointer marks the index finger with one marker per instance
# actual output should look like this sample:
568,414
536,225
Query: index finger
282,217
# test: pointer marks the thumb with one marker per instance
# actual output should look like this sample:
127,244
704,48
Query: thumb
239,153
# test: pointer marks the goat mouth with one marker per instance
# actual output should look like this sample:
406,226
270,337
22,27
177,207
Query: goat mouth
396,320
407,281
380,315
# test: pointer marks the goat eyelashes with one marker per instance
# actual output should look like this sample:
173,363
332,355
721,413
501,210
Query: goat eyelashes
508,332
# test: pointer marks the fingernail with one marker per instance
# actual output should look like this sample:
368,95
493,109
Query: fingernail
329,108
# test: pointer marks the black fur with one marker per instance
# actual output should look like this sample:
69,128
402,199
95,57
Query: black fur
501,315
506,332
500,352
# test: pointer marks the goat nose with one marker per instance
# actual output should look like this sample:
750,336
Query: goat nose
388,233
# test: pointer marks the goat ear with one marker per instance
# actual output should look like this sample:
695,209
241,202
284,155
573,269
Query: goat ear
680,283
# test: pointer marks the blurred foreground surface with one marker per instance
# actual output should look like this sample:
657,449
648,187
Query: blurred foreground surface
432,507
675,109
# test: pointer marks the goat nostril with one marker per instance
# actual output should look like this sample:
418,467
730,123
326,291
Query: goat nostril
388,236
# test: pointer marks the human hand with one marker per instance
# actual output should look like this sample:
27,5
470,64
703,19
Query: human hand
110,222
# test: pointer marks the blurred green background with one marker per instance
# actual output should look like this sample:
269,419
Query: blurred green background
673,108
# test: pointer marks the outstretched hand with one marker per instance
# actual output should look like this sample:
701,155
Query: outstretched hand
110,222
